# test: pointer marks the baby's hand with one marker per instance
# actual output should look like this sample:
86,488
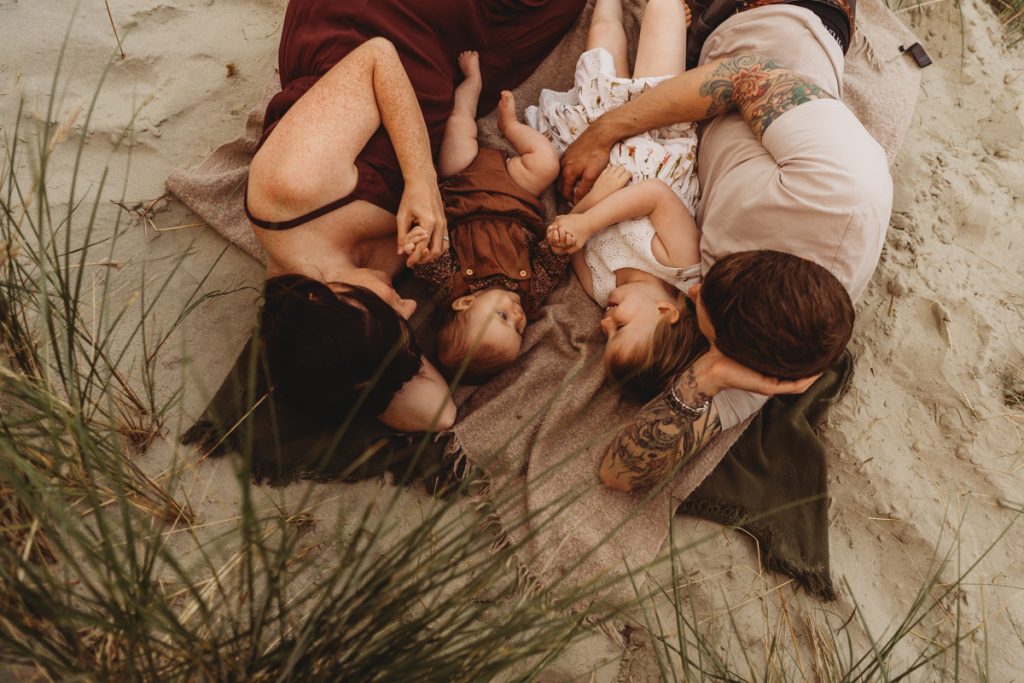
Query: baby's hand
416,246
611,180
568,234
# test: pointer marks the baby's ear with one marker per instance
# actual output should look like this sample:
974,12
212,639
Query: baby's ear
668,309
463,302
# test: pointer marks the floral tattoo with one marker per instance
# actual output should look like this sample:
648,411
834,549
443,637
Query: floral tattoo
761,88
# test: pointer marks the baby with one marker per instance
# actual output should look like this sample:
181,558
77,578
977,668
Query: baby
497,271
642,245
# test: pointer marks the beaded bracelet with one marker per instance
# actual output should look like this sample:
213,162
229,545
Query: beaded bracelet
681,407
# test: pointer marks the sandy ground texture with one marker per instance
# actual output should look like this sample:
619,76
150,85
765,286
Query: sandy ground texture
927,448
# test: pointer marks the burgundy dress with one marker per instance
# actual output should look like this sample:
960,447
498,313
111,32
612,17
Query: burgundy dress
512,37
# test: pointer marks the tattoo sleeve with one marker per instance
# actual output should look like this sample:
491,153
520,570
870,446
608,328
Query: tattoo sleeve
759,87
655,443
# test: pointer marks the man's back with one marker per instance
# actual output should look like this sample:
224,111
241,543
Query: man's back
817,185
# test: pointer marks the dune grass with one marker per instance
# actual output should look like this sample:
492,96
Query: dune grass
1011,15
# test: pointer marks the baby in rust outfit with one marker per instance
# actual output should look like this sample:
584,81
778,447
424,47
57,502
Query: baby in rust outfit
498,270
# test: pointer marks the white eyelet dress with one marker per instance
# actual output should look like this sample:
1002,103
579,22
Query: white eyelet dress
668,154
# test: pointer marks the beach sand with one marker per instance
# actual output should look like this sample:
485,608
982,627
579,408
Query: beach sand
926,448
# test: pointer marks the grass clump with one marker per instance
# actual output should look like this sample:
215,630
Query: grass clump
1011,15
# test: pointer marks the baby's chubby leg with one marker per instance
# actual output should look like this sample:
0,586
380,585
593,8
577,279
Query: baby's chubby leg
537,165
459,145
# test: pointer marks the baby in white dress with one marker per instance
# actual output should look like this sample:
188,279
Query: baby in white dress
635,245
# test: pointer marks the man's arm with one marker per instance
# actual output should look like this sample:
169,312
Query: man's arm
647,450
758,86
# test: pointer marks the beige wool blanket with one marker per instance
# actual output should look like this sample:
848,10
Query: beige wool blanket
539,429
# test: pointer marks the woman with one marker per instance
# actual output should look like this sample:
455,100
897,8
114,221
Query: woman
345,169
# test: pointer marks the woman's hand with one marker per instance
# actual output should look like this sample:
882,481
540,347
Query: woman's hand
715,371
583,162
421,207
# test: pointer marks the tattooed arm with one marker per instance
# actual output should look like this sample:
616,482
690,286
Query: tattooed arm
759,87
648,449
660,437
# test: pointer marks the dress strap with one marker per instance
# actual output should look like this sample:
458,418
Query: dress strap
295,222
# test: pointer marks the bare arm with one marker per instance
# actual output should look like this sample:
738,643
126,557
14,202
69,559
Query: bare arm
309,158
648,449
422,404
676,232
759,87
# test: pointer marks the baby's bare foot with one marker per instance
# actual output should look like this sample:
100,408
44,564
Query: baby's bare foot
686,11
507,111
612,179
469,62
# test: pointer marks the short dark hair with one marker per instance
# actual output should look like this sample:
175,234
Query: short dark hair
328,352
647,370
777,313
454,345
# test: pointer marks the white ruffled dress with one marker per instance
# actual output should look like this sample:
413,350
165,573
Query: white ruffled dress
668,154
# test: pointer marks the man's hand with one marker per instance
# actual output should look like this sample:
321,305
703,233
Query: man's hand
421,207
582,163
715,371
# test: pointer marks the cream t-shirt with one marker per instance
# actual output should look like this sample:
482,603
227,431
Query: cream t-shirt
817,185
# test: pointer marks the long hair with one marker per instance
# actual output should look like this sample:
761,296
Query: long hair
330,352
647,368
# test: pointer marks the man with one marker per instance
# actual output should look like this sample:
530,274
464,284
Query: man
796,197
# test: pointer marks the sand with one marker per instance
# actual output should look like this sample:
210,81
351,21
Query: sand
927,451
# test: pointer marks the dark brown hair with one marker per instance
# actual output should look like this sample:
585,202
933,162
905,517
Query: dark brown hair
329,352
647,369
454,345
780,314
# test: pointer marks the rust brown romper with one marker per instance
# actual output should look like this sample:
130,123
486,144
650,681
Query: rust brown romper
497,231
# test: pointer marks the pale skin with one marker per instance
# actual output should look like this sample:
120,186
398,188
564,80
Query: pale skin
658,439
309,160
495,315
640,300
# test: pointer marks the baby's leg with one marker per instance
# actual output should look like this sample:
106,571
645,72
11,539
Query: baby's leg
606,31
661,50
459,146
537,165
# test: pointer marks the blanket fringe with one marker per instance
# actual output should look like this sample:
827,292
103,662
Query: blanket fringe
525,583
206,437
815,580
860,42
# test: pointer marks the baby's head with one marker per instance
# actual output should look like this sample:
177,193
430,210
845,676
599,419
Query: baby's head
652,336
487,328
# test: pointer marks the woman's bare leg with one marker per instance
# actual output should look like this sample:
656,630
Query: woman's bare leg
459,145
661,50
606,31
